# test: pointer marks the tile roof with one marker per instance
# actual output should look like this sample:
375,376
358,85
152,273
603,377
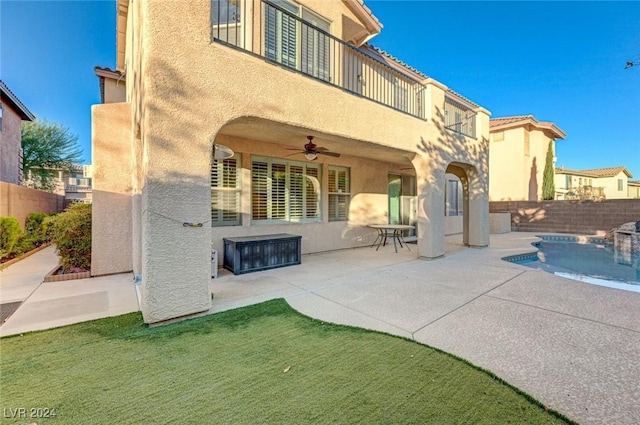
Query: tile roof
596,172
408,69
496,124
9,97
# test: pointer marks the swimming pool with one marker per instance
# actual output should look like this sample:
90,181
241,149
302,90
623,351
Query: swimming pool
588,260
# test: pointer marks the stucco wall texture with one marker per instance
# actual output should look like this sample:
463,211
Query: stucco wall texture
10,143
582,217
516,175
19,201
186,92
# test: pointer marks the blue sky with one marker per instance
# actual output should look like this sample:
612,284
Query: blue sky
560,61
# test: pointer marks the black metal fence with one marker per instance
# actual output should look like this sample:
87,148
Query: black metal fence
296,38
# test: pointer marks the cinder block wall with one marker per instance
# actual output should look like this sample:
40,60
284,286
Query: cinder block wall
583,217
19,201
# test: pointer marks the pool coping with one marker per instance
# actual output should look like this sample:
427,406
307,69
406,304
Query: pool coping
533,255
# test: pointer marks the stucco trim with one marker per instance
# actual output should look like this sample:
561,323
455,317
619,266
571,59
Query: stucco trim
548,127
364,14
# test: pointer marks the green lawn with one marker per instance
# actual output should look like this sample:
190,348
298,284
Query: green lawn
229,368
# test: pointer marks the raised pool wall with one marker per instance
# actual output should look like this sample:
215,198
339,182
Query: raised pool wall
576,217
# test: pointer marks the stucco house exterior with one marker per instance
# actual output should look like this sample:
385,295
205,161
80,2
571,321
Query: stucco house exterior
260,77
518,149
633,187
12,113
599,183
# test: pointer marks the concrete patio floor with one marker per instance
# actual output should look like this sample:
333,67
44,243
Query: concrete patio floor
573,346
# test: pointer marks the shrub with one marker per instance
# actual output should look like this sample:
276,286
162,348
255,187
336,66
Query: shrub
36,229
10,234
71,232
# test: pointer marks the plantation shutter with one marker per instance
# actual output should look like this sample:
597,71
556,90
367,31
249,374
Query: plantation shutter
281,33
315,46
225,192
278,191
259,190
285,190
339,193
312,193
296,192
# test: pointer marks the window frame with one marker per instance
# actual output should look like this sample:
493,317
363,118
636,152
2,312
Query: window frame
220,221
287,197
338,193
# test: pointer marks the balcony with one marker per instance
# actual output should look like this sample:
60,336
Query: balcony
77,188
283,33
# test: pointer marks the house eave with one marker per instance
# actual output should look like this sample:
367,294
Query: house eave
11,99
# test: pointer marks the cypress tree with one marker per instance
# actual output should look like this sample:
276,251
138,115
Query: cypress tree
548,185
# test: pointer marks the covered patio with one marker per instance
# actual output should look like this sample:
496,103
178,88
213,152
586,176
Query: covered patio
527,326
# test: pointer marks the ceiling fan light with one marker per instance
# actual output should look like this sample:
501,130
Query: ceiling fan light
310,155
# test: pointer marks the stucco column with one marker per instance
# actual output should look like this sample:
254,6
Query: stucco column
431,220
478,208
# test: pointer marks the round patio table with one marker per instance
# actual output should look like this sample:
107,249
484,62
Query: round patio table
393,231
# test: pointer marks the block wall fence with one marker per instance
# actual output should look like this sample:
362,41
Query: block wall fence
19,201
582,217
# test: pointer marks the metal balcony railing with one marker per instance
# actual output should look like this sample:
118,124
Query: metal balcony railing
459,118
278,31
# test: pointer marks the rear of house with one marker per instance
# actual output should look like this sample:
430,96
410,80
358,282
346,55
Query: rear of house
264,78
599,183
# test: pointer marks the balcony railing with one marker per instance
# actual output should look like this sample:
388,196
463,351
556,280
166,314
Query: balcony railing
77,188
278,31
459,118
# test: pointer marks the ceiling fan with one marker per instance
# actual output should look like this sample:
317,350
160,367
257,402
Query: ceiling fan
311,150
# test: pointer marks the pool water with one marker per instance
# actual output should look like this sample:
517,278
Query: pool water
595,263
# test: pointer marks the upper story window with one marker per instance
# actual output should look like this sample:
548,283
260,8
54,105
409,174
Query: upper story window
226,12
0,116
227,21
620,185
297,37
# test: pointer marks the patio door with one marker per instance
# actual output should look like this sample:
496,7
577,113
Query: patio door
402,199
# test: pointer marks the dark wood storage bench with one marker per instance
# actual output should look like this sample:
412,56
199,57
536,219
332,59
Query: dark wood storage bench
254,253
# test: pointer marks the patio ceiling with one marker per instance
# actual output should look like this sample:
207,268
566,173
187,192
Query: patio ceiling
295,137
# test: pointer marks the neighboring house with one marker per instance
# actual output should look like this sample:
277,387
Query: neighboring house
259,77
73,182
600,183
517,155
634,189
12,113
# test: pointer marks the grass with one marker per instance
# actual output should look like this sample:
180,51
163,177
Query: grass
260,364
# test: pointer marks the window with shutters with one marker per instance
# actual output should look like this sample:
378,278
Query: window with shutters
339,193
225,191
315,46
284,191
281,32
227,21
298,38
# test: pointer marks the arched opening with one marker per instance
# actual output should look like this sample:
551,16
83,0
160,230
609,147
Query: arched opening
464,204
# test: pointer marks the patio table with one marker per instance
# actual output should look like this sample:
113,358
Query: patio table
393,231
